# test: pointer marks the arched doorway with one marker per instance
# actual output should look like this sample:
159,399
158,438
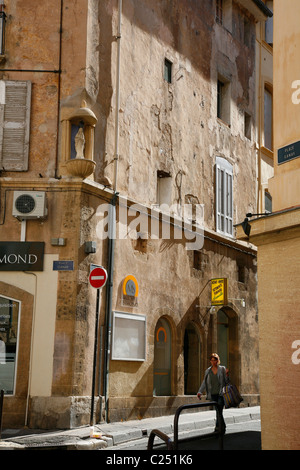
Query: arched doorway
162,358
223,337
228,342
192,354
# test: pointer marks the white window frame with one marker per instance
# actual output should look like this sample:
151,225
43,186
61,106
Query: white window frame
224,197
138,325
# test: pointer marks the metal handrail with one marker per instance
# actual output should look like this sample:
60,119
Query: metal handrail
174,445
161,435
199,405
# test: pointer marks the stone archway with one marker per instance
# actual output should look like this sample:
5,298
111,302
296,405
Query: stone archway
228,342
192,359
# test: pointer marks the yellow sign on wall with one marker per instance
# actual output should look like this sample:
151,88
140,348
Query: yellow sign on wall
219,291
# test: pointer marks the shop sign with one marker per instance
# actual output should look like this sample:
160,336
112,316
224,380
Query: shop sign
130,286
219,291
289,152
22,256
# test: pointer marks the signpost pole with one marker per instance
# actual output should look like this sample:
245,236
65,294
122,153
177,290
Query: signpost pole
95,357
97,279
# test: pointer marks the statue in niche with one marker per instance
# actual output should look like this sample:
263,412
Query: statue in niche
79,143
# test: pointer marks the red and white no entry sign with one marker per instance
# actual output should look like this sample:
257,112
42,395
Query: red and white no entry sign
98,277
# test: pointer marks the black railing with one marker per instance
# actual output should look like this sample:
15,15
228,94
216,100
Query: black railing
174,445
167,440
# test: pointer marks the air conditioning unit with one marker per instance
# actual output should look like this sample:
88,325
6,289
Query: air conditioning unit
29,204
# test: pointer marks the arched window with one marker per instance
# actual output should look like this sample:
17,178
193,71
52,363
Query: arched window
162,358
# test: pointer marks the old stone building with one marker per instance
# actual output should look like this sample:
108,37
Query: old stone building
128,141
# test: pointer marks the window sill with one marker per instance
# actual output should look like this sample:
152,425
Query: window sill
269,153
267,46
223,123
226,235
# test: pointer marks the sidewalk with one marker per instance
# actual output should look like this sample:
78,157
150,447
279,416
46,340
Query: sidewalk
115,433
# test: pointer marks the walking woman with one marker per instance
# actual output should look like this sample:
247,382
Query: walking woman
215,378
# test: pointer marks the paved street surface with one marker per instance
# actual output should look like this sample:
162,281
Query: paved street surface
239,436
243,432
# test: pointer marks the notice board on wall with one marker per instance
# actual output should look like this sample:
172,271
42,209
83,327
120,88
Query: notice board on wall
128,337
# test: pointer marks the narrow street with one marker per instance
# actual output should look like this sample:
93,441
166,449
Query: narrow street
239,436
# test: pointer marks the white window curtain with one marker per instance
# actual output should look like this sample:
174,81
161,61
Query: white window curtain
224,196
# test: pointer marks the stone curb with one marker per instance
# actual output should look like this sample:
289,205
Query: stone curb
119,433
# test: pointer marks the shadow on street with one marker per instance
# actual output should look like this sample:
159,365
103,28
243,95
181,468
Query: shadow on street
249,440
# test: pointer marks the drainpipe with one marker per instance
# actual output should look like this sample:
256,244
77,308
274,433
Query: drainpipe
260,107
112,222
109,292
116,157
59,87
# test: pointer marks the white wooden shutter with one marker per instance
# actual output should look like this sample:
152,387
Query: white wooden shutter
224,196
15,100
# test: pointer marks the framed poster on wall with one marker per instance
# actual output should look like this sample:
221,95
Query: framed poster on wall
128,337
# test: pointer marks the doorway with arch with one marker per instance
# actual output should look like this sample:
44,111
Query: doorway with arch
192,359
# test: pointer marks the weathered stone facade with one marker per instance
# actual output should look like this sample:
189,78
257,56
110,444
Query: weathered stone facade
169,141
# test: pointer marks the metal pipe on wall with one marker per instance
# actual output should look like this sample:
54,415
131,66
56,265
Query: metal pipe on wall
112,219
117,110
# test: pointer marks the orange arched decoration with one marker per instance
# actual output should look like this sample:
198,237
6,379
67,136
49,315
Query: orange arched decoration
165,334
133,279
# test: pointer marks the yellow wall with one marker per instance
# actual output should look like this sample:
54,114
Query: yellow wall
279,326
285,186
278,240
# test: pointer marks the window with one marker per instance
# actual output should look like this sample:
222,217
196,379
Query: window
247,32
164,188
15,99
2,29
162,364
197,260
223,100
224,196
268,202
224,13
168,71
269,26
220,94
268,119
247,125
219,11
9,326
241,272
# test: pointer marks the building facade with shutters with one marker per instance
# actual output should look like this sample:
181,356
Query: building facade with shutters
128,141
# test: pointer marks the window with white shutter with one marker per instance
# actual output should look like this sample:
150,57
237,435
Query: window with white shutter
15,100
224,196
